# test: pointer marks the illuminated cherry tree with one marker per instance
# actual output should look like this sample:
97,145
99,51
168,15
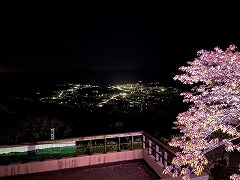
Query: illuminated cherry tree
214,109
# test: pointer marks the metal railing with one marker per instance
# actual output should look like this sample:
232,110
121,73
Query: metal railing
110,142
96,144
102,144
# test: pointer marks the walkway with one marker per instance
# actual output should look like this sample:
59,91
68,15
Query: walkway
133,170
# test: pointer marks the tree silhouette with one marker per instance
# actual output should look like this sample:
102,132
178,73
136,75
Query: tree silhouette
37,129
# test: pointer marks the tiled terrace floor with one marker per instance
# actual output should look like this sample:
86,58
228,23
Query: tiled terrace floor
131,170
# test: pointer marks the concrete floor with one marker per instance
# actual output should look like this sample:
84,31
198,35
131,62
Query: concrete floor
131,170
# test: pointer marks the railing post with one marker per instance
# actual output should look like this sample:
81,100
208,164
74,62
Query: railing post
160,159
131,142
157,151
119,142
105,144
144,140
165,157
90,147
149,147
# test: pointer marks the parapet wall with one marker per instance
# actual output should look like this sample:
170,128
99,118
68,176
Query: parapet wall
69,162
84,161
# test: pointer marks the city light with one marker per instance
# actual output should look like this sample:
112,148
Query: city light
121,96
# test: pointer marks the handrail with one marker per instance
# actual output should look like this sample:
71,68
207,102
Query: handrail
164,147
84,138
161,151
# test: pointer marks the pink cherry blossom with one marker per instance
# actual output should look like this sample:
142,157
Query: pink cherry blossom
214,107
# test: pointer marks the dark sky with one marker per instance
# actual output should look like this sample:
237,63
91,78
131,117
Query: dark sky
116,34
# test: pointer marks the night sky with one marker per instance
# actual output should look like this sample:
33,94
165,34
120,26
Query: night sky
111,35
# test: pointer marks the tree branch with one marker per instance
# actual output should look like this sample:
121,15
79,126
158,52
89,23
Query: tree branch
219,144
